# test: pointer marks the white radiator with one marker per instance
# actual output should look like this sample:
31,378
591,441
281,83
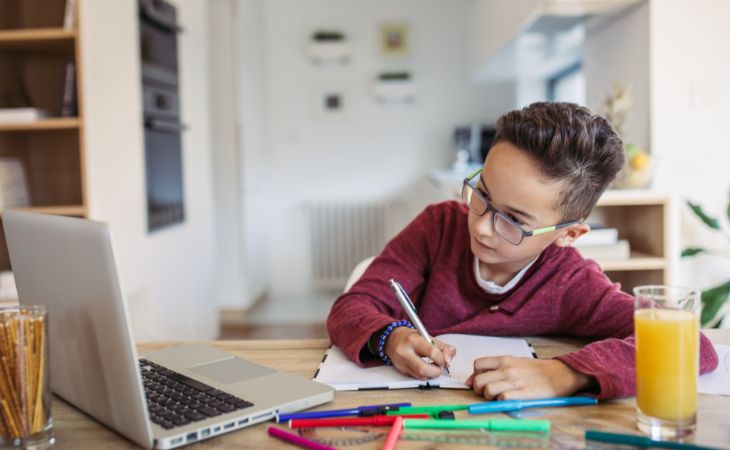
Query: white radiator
340,236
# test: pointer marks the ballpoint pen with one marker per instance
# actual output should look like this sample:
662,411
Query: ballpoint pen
410,308
514,405
639,441
367,410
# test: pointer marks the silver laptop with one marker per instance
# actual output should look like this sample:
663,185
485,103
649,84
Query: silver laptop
168,397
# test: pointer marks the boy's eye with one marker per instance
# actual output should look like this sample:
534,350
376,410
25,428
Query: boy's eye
515,219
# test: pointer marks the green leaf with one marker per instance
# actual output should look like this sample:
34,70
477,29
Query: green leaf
712,301
709,221
691,251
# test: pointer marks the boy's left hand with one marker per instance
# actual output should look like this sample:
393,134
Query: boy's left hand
510,377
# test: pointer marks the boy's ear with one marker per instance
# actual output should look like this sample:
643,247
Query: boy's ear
571,233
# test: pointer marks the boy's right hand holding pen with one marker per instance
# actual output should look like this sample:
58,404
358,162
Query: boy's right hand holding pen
407,348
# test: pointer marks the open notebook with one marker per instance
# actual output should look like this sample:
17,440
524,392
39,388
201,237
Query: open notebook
344,375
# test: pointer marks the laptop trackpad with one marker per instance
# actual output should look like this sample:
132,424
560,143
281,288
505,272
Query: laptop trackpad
229,371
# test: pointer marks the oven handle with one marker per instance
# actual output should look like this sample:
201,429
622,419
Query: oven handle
164,126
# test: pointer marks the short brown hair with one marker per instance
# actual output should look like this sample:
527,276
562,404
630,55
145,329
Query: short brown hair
570,145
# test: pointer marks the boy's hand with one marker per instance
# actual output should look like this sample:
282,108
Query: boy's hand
509,377
406,348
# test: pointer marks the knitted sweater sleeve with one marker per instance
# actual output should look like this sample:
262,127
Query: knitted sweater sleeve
370,305
594,306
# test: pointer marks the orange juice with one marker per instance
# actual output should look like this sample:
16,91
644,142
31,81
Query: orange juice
667,362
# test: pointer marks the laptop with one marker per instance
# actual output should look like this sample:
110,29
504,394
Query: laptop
165,398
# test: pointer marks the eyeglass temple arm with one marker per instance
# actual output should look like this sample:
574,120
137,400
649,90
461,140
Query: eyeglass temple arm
553,228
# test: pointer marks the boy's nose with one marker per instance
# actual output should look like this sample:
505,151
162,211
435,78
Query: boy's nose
484,224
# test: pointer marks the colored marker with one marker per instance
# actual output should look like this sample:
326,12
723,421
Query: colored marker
493,424
515,405
367,410
639,441
429,409
394,434
297,440
375,421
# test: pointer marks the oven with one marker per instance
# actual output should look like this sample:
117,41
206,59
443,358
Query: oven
161,114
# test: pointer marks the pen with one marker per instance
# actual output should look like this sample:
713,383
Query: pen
492,424
639,441
297,440
374,421
431,409
367,410
410,308
394,434
514,405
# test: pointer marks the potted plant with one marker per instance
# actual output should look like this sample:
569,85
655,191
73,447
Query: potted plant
714,298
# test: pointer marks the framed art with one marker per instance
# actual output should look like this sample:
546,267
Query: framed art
394,39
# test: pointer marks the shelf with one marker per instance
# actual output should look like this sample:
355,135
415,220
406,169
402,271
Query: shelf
54,123
631,197
63,210
638,261
38,39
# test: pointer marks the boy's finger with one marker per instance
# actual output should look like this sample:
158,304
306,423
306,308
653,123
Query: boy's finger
497,388
448,350
417,368
423,348
487,363
481,380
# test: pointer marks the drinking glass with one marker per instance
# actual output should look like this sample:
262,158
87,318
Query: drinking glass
25,395
666,326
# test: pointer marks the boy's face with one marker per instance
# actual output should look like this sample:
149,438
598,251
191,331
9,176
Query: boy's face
514,185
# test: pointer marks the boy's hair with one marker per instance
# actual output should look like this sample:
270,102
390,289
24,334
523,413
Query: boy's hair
570,145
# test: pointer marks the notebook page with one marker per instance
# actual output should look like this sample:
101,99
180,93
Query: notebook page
470,347
343,374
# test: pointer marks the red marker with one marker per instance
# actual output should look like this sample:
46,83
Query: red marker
376,421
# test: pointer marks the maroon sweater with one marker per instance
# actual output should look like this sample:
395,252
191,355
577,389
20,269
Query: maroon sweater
561,294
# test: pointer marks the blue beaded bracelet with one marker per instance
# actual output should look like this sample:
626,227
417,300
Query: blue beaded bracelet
384,337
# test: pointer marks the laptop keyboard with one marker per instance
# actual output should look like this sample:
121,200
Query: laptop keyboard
174,400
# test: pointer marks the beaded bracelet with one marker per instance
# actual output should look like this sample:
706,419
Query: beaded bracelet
384,337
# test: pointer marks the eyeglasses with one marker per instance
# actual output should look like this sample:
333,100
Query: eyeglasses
505,227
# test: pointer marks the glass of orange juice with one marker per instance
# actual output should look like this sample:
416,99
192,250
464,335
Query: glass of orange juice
667,331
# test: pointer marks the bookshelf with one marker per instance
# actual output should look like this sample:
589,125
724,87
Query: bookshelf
642,218
34,50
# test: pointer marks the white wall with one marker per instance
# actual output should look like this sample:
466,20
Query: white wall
690,104
370,151
168,275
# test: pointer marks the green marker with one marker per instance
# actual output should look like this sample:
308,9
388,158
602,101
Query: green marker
431,409
639,441
491,424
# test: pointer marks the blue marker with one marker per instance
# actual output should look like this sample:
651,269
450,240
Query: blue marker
368,410
515,405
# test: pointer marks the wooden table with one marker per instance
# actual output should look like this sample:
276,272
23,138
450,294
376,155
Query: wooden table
75,430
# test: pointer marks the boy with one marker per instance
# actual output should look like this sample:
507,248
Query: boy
502,264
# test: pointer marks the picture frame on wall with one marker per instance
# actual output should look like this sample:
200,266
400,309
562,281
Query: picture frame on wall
394,39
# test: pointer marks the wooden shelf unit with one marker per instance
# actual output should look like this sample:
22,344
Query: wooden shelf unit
34,49
642,218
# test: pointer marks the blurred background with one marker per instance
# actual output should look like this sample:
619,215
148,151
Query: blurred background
248,153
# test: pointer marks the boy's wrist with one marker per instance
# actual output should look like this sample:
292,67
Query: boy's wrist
372,343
